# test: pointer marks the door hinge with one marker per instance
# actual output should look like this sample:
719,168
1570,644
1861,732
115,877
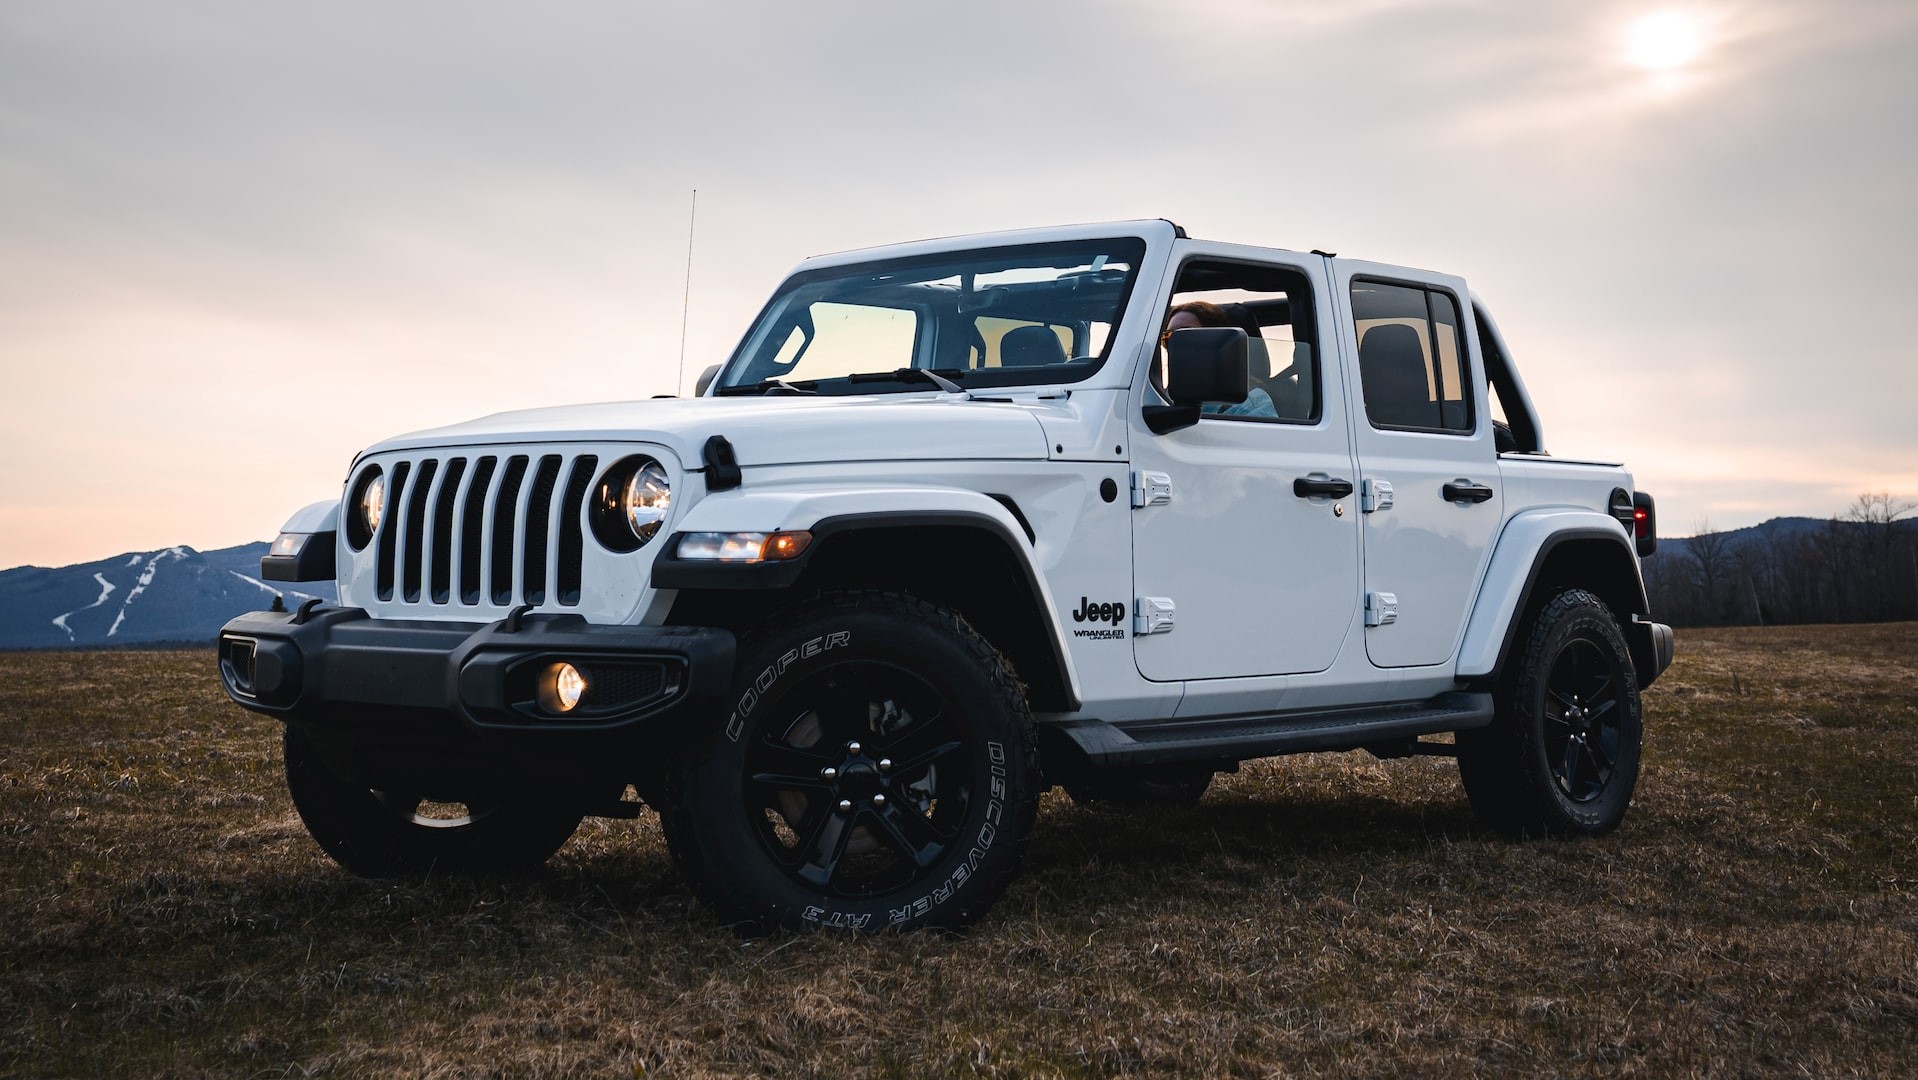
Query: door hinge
1151,488
1152,615
1375,495
1381,608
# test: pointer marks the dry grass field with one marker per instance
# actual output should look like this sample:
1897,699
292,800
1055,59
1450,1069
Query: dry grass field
165,914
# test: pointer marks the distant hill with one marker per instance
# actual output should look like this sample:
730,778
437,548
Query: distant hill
1778,532
1787,570
145,597
1773,531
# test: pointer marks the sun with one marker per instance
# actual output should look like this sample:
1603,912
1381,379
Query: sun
1664,41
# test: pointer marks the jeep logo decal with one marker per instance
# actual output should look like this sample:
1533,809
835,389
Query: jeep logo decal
1113,613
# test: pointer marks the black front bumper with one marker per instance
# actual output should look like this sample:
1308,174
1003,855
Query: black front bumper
475,684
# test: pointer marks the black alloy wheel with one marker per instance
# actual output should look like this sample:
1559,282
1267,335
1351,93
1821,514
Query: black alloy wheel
863,783
1582,719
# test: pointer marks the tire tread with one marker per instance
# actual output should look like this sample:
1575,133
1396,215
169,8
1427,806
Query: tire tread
744,911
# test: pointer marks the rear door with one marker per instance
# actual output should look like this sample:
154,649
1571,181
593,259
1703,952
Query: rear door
1429,493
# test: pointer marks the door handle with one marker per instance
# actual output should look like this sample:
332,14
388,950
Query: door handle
1463,490
1306,487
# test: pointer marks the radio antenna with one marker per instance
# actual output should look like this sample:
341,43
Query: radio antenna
685,307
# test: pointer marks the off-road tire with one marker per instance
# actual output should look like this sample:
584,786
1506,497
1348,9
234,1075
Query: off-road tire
1561,755
377,833
767,842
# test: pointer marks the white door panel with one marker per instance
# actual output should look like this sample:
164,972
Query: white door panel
1262,580
1428,549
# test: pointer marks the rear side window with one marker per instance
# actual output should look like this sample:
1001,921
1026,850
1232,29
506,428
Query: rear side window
1412,362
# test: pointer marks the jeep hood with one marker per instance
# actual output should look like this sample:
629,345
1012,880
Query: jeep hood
768,431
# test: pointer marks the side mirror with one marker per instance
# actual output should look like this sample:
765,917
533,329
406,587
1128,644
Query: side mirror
705,380
1209,363
1203,363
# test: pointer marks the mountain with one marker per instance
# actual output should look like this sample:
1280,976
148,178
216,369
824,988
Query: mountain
174,594
1773,530
1783,531
1787,570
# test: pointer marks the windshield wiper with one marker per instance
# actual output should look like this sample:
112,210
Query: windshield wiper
769,386
908,374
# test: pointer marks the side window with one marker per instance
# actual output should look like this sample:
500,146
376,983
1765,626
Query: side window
1412,361
1273,305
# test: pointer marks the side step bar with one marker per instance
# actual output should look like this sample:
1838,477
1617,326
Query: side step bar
1242,738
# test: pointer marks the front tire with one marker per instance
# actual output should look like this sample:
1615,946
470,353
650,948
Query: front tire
1561,756
878,770
387,833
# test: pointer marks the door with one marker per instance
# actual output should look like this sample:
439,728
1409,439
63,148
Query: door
1259,574
1430,492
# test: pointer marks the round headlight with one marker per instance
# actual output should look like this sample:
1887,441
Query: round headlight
373,503
646,499
630,503
365,506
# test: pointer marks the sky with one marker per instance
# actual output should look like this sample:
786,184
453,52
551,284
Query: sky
240,241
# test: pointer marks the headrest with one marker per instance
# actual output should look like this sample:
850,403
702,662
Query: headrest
1030,346
1247,320
1392,372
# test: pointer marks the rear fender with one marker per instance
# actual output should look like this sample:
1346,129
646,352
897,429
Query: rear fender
1531,560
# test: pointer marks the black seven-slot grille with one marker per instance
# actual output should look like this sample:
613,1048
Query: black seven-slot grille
484,531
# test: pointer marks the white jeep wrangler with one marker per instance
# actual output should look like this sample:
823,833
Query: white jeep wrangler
957,520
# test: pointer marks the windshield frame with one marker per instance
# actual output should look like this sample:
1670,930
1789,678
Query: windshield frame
1131,250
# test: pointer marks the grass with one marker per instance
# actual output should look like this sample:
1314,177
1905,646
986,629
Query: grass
163,912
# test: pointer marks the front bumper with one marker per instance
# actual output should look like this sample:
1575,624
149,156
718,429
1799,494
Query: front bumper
473,683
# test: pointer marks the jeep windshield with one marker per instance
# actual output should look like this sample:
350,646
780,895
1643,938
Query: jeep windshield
1003,316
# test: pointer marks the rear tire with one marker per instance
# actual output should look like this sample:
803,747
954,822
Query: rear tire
879,770
388,833
1561,756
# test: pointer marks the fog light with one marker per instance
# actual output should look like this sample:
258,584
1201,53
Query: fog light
560,688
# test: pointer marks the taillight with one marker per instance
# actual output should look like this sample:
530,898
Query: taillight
1644,523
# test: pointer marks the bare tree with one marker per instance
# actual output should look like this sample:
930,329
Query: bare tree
1880,510
1758,564
1879,558
1716,560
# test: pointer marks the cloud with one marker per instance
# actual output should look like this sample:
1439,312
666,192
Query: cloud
217,216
